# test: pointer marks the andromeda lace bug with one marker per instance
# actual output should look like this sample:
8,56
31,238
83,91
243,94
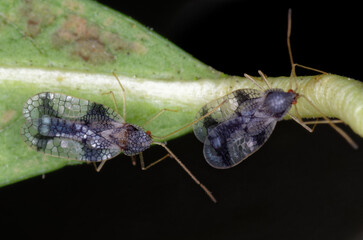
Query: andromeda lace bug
247,118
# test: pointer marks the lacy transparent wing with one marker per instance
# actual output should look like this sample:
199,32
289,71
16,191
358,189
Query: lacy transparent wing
66,107
227,111
68,127
228,144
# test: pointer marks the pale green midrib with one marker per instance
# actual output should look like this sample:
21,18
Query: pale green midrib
181,92
334,95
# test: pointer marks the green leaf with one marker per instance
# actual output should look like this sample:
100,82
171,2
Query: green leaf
73,46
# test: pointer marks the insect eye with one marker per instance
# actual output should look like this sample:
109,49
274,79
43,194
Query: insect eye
291,91
148,133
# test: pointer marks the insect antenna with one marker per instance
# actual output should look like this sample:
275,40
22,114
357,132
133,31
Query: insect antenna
209,193
293,75
293,72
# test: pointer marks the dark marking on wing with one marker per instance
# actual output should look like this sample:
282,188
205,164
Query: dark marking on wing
68,127
46,108
231,108
230,142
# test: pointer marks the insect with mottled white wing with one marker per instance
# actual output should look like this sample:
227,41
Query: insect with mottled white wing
73,128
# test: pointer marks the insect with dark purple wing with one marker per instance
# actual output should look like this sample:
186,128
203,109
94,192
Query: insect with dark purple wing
246,120
241,125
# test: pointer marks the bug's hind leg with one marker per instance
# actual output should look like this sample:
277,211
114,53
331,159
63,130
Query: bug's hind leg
172,155
100,166
142,163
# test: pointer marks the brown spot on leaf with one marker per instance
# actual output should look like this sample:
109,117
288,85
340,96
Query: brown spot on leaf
91,50
83,38
36,17
7,116
91,43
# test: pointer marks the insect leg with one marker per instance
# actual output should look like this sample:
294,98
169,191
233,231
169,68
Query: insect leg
190,124
335,127
114,101
142,163
133,160
254,81
100,166
317,121
265,79
300,122
205,189
293,74
157,115
123,96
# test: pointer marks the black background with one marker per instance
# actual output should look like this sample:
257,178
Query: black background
298,186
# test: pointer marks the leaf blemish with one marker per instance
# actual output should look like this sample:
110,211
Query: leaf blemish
82,40
37,18
7,116
91,43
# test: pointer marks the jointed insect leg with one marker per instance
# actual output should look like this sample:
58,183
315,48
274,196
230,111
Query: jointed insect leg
264,78
188,171
114,100
254,81
335,127
133,160
317,121
190,124
157,115
123,96
100,166
300,122
142,163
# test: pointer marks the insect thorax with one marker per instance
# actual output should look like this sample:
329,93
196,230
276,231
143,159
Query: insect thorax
136,140
277,103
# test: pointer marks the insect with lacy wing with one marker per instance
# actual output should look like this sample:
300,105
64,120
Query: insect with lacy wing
73,128
241,125
247,118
